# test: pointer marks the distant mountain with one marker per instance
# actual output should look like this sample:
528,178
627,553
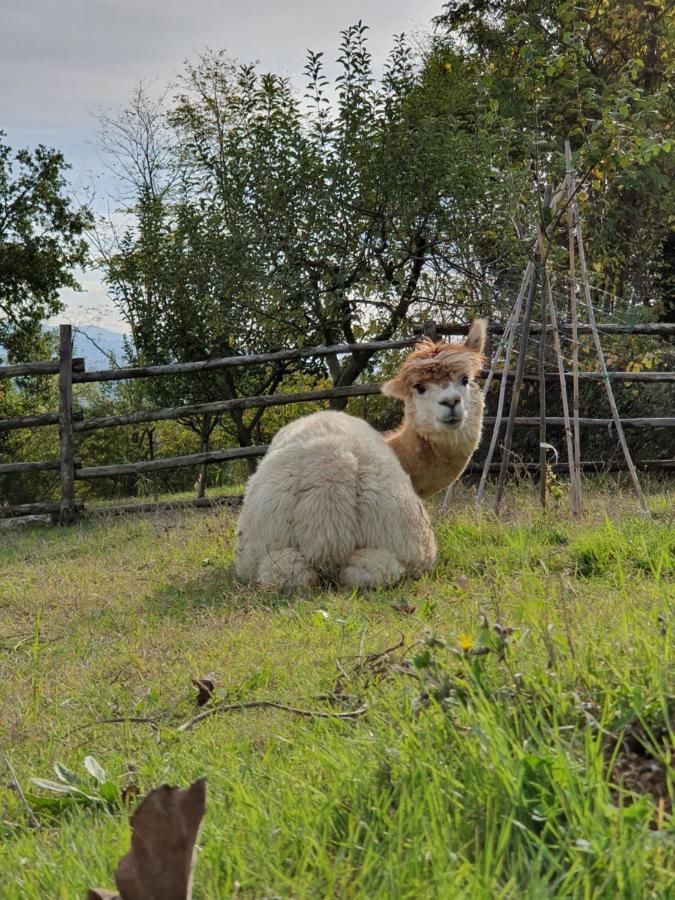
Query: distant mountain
95,344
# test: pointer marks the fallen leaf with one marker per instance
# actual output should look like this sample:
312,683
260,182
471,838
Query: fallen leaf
462,582
129,793
404,608
164,832
204,690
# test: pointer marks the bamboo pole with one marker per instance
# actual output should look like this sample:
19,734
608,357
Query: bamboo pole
509,329
520,368
603,365
542,384
575,478
546,290
513,325
515,396
576,450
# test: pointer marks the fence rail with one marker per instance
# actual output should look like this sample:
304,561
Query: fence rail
72,422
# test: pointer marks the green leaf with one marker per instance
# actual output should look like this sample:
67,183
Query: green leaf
56,786
110,792
95,770
422,660
66,775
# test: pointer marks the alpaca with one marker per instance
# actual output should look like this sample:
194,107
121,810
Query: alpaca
333,498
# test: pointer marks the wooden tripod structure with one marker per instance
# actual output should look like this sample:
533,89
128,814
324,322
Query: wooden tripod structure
516,338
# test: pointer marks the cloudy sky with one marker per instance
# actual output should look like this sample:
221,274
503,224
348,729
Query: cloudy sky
63,60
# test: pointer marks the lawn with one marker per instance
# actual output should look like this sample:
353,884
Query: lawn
517,741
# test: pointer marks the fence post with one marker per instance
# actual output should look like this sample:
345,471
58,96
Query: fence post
67,512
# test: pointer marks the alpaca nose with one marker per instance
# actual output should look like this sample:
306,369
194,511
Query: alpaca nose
451,402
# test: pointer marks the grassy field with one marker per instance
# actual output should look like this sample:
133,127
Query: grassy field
533,686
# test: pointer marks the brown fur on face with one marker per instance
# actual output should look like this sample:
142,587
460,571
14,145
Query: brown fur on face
438,361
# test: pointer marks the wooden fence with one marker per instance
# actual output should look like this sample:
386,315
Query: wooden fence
71,371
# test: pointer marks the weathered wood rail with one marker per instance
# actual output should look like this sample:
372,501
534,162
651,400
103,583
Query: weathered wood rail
73,421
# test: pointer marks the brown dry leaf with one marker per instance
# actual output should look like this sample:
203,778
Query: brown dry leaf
462,582
130,792
404,608
164,832
204,690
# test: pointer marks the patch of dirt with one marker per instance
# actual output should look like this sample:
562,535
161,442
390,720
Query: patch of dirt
637,762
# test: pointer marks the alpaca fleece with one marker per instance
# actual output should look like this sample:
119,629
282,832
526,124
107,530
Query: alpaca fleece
335,499
330,499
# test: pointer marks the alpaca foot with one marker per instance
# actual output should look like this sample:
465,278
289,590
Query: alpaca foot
370,567
286,569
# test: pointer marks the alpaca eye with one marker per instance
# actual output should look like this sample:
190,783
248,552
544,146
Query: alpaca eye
420,388
465,380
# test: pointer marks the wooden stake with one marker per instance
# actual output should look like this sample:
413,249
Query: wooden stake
515,396
603,365
68,509
576,479
546,290
542,384
509,336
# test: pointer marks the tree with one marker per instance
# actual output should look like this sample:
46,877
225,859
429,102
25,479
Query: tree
178,278
599,74
350,215
41,242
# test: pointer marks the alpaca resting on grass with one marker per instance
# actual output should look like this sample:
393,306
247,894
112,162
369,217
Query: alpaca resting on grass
333,498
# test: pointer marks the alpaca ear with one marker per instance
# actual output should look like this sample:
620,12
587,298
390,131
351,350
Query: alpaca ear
394,388
475,339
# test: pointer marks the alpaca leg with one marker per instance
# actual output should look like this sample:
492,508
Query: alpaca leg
370,567
286,569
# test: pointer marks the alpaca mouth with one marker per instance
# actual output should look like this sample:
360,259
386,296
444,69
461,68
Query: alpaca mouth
453,422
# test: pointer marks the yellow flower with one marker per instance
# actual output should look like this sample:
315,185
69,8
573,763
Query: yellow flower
465,642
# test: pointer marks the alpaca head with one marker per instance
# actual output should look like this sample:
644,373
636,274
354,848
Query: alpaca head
437,384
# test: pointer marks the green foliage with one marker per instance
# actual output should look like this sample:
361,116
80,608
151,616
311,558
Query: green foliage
94,789
287,223
41,242
601,76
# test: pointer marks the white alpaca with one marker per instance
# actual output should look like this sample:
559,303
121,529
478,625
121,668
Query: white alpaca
333,498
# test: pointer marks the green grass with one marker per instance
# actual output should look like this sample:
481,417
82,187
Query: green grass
470,775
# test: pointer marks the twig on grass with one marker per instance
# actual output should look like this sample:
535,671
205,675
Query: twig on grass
271,704
374,664
17,786
119,720
371,657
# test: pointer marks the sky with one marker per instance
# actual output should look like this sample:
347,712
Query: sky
63,61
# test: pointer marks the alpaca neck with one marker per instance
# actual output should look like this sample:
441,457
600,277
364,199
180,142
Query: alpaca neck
435,463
